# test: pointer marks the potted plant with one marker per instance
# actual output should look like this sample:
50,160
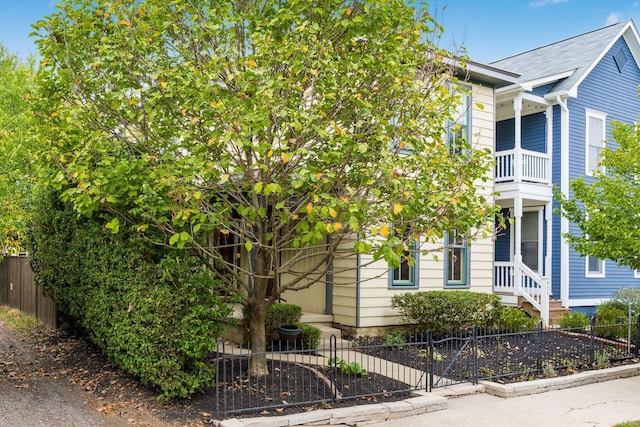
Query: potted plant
283,314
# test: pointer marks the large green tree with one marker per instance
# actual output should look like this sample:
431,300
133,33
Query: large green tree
17,177
607,207
264,127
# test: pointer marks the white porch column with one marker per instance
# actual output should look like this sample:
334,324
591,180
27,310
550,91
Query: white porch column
517,257
517,107
548,216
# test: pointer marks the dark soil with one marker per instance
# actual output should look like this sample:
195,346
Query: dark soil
507,358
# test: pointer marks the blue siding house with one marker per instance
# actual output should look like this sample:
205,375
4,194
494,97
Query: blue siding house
550,128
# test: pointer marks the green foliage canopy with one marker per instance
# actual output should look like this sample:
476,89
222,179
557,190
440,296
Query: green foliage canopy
17,176
607,208
259,126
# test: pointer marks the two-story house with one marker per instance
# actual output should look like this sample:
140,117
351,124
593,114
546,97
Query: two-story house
550,129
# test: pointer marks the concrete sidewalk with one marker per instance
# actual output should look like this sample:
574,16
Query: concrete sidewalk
599,404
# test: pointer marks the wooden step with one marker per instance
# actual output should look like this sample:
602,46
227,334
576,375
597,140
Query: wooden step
556,310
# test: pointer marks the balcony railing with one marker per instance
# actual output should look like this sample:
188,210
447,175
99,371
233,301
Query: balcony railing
528,166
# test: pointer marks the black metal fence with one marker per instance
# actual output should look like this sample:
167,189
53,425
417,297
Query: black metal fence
379,368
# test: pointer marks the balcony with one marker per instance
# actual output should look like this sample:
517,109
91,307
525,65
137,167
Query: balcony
520,165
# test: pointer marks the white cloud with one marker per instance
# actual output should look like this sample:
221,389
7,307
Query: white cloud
541,3
613,18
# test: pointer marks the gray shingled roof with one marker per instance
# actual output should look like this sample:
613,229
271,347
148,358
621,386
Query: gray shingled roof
576,53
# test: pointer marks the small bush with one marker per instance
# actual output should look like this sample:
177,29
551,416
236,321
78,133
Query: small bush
611,321
516,319
395,339
447,311
282,314
625,296
575,320
310,335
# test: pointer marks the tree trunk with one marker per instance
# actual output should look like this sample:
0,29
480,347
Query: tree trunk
257,315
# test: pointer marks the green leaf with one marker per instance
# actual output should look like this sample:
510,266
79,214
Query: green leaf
248,246
113,225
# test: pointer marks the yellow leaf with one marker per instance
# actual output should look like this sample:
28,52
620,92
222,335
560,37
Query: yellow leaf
309,207
215,104
314,72
251,63
384,230
125,23
328,227
344,199
211,141
397,208
99,12
349,11
285,157
333,212
54,114
337,226
270,153
406,195
163,85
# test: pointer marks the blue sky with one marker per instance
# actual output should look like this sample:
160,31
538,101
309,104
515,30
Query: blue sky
489,29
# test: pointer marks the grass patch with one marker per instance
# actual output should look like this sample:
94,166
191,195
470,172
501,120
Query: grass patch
16,319
628,424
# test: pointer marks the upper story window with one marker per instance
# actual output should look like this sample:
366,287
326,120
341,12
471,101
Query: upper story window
595,136
456,260
459,128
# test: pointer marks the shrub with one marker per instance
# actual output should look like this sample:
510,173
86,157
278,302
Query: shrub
395,339
611,321
516,319
574,320
282,314
310,335
625,296
151,310
447,311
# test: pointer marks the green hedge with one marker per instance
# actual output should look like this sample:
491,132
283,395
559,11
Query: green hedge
447,311
151,310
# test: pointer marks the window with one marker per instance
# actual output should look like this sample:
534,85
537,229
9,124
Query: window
406,275
594,266
595,136
456,256
458,129
636,273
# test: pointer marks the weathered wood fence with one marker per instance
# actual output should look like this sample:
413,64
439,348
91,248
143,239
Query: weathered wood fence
18,290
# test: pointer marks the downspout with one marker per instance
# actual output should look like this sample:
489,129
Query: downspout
564,189
328,289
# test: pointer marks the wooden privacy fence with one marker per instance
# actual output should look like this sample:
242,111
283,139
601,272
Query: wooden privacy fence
19,290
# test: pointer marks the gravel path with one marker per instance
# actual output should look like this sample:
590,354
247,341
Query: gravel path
32,395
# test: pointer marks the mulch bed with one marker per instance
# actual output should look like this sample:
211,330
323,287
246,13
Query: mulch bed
506,359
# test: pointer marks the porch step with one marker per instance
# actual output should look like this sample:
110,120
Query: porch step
317,319
327,332
556,310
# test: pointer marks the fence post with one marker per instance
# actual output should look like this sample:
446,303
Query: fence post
474,349
430,362
333,355
539,352
592,338
635,350
217,410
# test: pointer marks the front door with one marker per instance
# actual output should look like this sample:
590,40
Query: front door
531,246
